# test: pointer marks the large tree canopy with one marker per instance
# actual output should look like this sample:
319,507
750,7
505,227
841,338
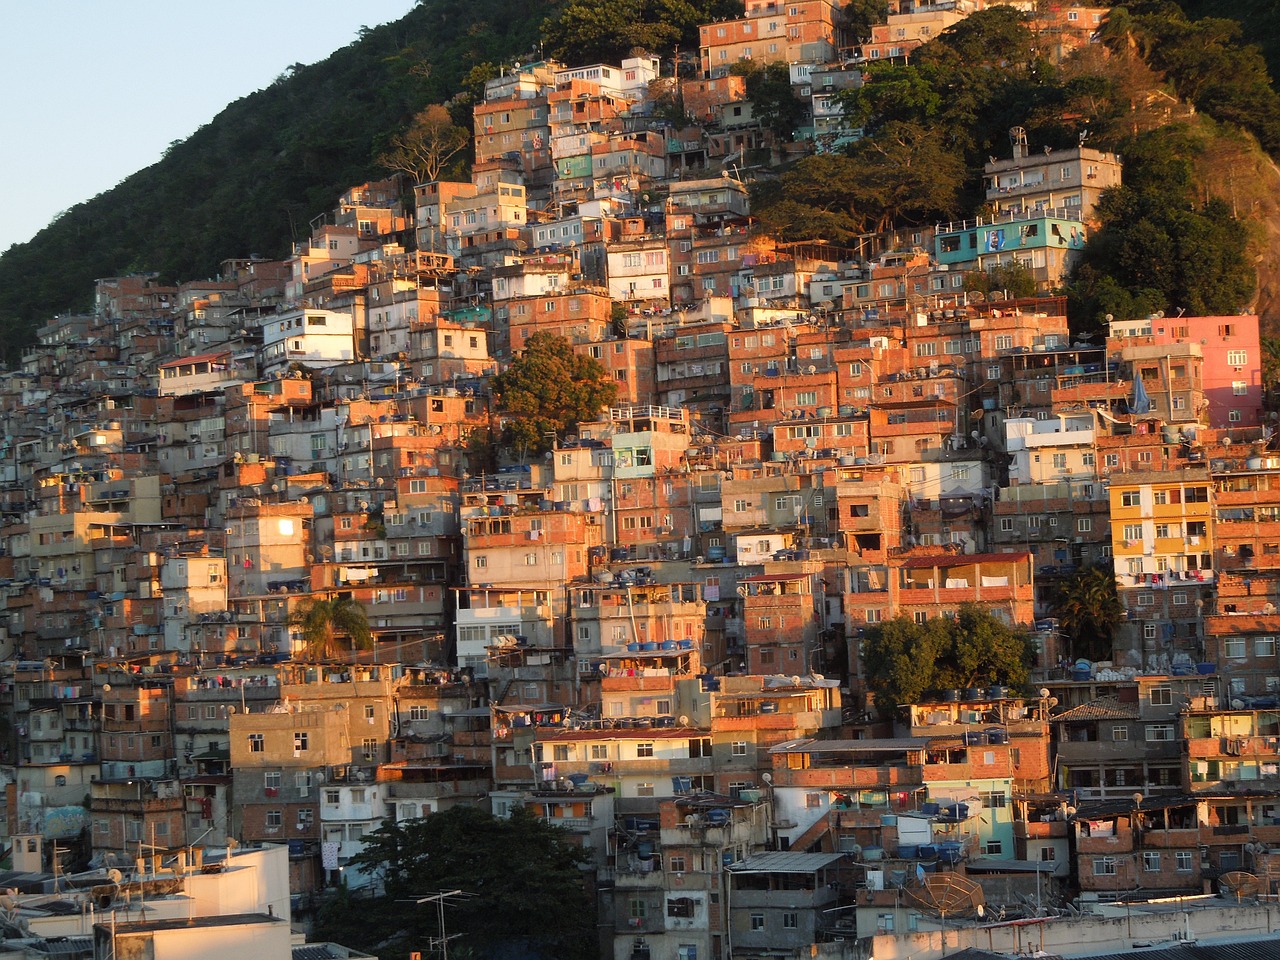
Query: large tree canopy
522,877
1206,63
548,389
605,31
1161,246
904,660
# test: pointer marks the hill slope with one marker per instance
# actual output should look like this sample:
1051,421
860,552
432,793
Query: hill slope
251,179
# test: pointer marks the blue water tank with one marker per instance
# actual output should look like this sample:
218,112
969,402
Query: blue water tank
997,735
928,851
908,851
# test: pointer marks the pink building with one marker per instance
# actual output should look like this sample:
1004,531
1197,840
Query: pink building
1231,373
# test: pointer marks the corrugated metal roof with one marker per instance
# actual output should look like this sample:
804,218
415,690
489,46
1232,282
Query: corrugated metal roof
853,746
198,358
1103,708
786,861
1260,949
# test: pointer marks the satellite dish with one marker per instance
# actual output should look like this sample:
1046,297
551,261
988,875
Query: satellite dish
114,875
684,720
1239,884
947,894
767,777
231,709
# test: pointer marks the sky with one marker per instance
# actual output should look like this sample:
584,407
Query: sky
99,88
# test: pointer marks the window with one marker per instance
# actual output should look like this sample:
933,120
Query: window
1150,861
1130,498
994,848
1160,732
299,742
680,907
644,789
1183,861
1264,647
676,864
1239,387
644,750
757,921
993,800
1004,342
274,819
332,797
1006,524
813,800
1237,358
1233,648
638,908
1133,531
1084,525
1104,867
738,748
790,921
271,780
1161,696
256,743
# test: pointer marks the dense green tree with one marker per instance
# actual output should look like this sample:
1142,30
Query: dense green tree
903,175
1206,62
1088,611
548,389
593,31
905,661
773,99
330,625
857,17
1160,245
523,878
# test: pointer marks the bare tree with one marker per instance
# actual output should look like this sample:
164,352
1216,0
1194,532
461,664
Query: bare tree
423,150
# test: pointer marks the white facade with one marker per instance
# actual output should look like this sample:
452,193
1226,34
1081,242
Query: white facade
316,338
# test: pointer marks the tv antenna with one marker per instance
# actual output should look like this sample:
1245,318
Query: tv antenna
440,944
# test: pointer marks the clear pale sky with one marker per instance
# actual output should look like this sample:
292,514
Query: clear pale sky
95,90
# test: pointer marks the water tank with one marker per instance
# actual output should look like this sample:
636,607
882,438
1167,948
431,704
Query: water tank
872,853
908,851
997,735
928,851
949,852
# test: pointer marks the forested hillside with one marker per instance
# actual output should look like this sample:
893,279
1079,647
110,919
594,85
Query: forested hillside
250,181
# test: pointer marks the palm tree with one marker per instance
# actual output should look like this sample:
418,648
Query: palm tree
323,621
1088,610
